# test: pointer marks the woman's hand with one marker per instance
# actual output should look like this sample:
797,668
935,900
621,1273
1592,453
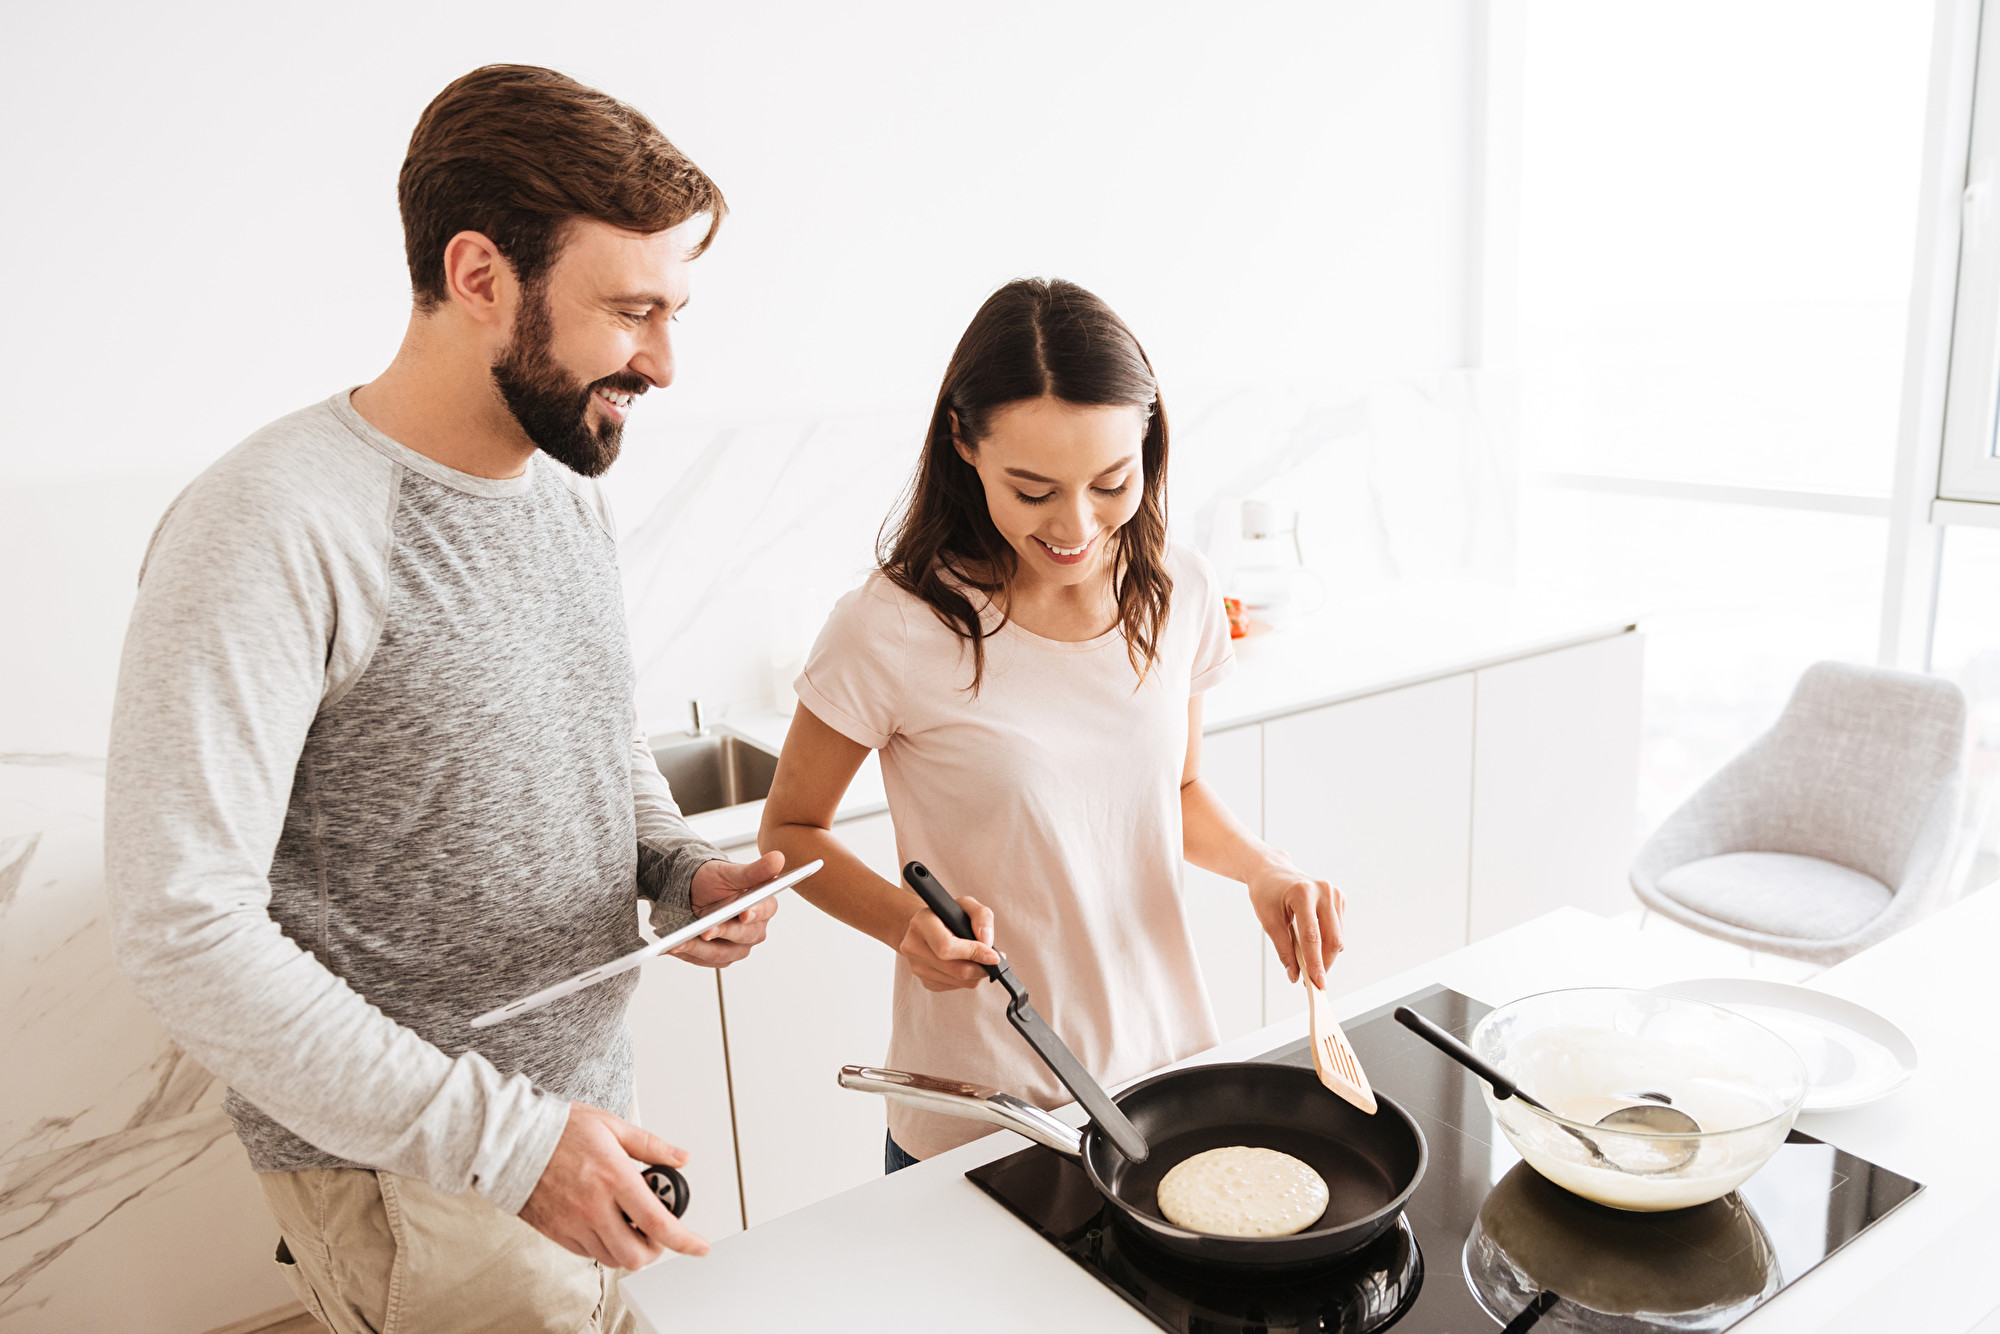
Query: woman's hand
1283,895
943,962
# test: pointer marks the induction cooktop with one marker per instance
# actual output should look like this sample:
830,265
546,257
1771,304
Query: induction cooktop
1485,1243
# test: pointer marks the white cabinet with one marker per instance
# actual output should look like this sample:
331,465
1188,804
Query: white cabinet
813,997
1555,783
1375,795
682,1080
1228,943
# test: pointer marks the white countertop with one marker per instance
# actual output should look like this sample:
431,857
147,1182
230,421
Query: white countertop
1415,633
927,1249
1407,635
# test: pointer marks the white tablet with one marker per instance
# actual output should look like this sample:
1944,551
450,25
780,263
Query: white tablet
714,917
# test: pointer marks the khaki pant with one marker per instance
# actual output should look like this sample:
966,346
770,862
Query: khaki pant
374,1253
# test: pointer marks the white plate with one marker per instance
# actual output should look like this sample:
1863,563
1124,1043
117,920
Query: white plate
1852,1054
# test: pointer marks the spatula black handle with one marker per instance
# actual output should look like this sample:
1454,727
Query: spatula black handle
1055,1053
1503,1087
944,905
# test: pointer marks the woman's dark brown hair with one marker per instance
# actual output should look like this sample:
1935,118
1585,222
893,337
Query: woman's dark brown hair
1034,338
517,151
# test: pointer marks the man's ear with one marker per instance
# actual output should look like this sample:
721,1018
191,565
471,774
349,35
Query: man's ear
477,277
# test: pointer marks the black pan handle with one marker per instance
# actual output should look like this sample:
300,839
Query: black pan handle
944,905
1503,1087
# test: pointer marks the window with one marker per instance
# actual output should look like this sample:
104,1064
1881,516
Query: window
1970,468
1966,647
1715,255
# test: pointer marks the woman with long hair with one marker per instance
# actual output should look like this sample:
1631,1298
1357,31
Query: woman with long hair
1029,659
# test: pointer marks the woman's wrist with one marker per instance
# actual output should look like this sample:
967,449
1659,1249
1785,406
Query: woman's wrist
1272,862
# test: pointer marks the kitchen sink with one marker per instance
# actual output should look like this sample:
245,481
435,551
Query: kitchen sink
713,771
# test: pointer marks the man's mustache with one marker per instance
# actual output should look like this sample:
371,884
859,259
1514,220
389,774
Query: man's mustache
623,383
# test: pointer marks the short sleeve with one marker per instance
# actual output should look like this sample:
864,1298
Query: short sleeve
853,679
1197,593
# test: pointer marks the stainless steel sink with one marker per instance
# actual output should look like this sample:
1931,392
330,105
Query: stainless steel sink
713,771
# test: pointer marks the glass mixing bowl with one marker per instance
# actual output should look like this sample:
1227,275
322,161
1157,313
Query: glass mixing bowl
1588,1051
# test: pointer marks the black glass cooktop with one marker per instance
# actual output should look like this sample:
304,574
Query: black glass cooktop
1486,1243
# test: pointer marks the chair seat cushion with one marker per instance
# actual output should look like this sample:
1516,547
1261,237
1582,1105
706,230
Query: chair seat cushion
1778,894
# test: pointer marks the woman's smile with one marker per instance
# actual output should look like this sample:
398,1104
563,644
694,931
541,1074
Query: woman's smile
1067,555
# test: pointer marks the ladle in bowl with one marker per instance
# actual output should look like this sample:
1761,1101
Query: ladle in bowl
1646,1118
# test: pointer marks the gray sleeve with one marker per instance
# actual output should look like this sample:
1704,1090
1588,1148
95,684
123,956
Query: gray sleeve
669,852
260,599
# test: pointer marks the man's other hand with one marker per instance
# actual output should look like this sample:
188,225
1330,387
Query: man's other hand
720,880
591,1199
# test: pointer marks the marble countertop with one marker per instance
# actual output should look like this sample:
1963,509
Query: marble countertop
1347,650
927,1246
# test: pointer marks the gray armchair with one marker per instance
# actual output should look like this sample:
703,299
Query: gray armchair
1831,832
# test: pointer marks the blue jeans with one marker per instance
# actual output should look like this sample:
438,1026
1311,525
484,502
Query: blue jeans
893,1157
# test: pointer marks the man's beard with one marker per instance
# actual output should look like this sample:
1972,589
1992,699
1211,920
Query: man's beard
551,407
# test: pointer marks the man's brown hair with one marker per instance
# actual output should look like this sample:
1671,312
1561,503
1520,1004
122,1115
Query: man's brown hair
517,151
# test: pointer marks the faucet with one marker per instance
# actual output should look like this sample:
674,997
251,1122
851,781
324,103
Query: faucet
694,713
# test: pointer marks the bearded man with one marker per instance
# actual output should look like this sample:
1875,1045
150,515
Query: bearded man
375,765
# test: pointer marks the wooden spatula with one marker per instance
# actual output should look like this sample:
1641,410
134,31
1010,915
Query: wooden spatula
1333,1058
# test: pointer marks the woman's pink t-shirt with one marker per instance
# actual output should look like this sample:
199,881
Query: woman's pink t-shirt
1053,797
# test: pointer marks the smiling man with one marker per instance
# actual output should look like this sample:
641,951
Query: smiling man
375,766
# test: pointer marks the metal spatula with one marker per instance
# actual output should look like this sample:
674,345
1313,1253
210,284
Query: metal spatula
1333,1058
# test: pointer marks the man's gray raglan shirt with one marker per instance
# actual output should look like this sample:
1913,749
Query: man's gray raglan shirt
374,769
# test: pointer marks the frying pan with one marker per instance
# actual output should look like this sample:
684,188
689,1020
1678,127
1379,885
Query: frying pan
1371,1164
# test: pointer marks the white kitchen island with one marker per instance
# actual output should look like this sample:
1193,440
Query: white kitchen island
926,1249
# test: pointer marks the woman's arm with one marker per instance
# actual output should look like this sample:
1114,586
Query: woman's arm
814,769
1280,893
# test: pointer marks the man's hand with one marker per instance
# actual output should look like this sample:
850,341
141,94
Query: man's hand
592,1201
719,880
1282,896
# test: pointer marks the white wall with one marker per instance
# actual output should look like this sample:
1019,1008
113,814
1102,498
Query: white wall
201,235
204,222
209,237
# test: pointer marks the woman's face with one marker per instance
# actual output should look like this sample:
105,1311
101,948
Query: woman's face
1060,480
